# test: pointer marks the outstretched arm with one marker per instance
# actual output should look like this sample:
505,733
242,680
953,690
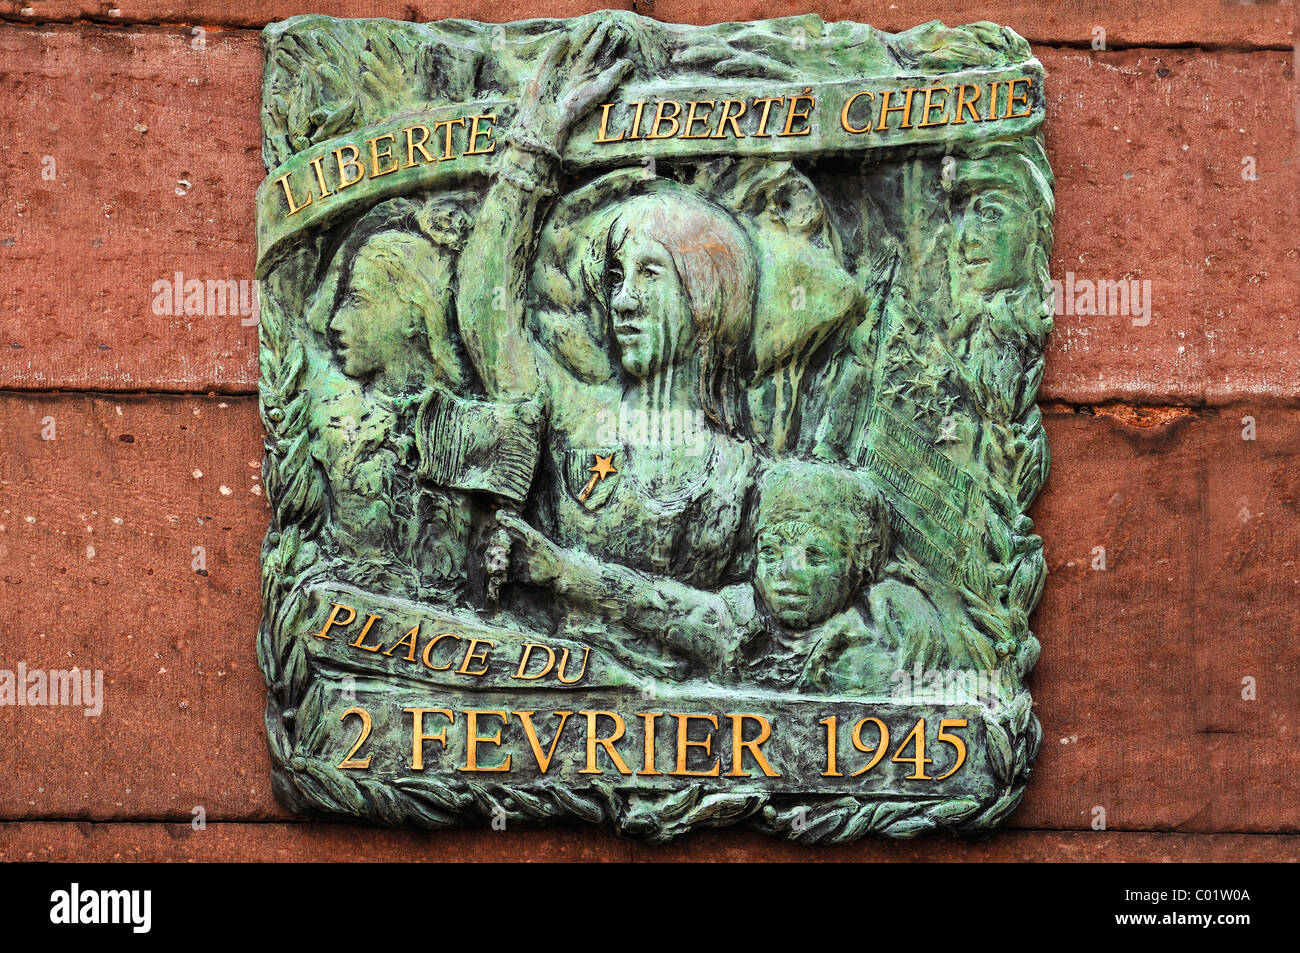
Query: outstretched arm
493,270
696,623
493,446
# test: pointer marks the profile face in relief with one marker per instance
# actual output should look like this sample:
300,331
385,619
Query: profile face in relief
374,321
993,242
649,310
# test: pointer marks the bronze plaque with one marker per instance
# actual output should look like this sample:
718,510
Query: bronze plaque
650,422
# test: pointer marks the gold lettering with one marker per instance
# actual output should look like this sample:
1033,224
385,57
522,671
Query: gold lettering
792,113
409,641
448,123
660,117
964,104
649,718
419,737
607,743
472,654
375,155
636,121
739,745
684,743
473,739
603,135
343,164
728,118
832,768
357,643
475,132
350,763
294,207
564,662
428,650
543,760
905,109
1012,96
331,623
879,751
528,651
927,105
320,176
692,118
844,113
767,108
412,145
993,99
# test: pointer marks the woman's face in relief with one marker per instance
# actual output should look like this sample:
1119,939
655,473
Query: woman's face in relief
648,306
369,323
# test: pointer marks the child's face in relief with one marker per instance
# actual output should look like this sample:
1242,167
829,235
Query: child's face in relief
804,574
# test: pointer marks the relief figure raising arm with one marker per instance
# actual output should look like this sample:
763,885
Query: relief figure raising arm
494,445
494,266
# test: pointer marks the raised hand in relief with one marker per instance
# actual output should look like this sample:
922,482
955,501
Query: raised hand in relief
500,244
589,74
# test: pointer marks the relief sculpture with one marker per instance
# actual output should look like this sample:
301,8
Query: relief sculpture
651,422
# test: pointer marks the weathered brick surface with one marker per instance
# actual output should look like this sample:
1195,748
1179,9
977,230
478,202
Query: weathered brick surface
1156,646
97,564
1148,150
155,145
1151,22
156,150
1147,147
1139,690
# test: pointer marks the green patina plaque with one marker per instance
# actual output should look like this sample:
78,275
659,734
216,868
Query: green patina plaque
650,422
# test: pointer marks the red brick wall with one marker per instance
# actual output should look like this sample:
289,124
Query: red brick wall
150,126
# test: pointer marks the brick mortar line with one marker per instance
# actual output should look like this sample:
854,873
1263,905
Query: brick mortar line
326,824
19,392
1084,46
227,27
1052,406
